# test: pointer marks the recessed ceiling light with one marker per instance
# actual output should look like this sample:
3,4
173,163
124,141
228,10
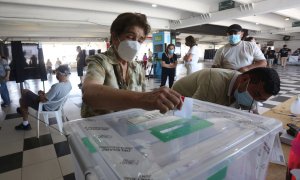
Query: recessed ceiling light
257,23
154,5
287,19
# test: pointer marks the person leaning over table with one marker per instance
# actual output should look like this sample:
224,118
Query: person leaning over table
115,82
230,87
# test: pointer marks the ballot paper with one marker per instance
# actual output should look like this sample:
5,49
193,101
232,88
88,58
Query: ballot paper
186,109
277,156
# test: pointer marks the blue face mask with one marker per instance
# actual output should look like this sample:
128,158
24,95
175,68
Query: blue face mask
234,39
243,98
171,51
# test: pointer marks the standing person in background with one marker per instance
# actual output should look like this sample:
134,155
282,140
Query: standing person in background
150,54
33,61
237,54
145,59
57,63
192,57
168,63
4,77
80,64
270,57
283,54
49,66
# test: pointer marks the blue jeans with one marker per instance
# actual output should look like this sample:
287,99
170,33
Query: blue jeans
4,93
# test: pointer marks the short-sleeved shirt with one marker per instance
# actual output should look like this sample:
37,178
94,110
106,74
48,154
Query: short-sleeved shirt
56,92
238,56
211,85
195,55
80,59
102,68
270,54
284,52
168,60
4,67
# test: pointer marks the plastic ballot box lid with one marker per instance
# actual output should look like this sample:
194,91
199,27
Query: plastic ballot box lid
217,142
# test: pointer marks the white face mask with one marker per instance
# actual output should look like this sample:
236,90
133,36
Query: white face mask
128,49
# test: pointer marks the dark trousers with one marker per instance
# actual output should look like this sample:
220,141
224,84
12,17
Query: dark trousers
4,93
167,72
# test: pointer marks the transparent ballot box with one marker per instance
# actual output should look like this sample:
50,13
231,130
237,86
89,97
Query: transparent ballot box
216,143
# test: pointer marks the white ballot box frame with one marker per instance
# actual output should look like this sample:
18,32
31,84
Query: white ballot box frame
138,144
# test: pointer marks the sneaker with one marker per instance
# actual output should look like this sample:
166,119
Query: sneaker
22,127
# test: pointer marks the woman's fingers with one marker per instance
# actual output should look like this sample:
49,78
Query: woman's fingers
168,99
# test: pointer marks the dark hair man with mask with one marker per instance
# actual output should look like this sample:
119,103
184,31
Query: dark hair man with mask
115,82
237,54
230,87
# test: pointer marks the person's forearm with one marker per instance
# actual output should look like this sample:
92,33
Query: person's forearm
99,96
262,63
166,65
108,98
174,65
42,97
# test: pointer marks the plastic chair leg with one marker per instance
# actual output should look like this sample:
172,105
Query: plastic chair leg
38,126
46,119
59,121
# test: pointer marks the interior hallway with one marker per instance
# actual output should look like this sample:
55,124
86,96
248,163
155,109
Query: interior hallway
23,156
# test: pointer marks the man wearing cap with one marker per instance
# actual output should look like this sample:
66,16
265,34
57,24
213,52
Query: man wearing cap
237,54
56,92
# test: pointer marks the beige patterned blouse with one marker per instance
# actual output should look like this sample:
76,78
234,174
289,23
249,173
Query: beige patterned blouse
105,69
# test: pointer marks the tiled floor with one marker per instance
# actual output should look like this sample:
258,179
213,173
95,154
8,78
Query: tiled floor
23,156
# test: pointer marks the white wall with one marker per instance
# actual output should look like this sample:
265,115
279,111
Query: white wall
66,51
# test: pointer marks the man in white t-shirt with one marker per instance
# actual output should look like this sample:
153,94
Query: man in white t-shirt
192,57
238,55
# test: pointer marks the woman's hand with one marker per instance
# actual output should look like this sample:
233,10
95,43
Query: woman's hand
163,99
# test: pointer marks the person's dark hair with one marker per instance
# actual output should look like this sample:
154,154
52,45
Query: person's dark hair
268,76
250,38
245,34
190,41
127,20
167,49
78,47
284,45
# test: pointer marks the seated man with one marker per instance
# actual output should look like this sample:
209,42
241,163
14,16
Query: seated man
230,87
57,91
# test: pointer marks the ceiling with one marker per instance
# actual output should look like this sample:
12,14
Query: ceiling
77,20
